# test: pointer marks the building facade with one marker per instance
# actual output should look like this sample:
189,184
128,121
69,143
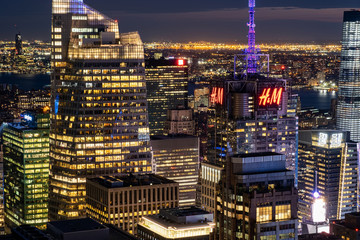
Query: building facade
210,178
167,88
328,165
257,199
26,171
348,108
180,121
99,122
188,223
123,201
177,158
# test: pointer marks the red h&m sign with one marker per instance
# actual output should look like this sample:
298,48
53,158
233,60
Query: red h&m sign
271,97
217,95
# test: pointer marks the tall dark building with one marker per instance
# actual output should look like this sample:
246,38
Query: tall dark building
166,82
256,199
18,44
348,107
99,120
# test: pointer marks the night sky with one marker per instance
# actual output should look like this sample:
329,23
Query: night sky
193,20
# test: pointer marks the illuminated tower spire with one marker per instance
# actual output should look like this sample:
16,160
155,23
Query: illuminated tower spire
251,52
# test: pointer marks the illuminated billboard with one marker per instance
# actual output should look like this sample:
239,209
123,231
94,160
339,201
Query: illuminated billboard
270,97
319,211
217,95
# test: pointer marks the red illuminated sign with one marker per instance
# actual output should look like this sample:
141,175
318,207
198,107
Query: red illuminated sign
270,96
217,95
181,62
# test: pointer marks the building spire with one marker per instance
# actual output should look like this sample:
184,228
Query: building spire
251,51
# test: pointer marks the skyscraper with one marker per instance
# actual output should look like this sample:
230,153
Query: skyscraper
256,199
328,167
177,158
18,44
348,109
26,171
167,87
99,122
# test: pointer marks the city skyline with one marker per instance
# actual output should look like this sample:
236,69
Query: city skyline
280,21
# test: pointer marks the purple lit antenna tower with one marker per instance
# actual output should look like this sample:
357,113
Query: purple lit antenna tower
252,58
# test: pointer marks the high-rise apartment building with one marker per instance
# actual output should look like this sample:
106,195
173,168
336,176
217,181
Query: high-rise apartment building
177,158
328,167
99,122
123,201
26,171
348,107
167,88
256,199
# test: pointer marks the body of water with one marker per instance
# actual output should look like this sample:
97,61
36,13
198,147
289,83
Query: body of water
320,99
26,82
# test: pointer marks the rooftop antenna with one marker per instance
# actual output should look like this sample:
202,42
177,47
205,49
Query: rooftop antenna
251,51
252,61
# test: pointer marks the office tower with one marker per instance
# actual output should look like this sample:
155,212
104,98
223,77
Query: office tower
99,122
26,171
328,168
348,108
257,199
18,44
180,121
123,201
253,115
166,82
349,228
187,223
177,158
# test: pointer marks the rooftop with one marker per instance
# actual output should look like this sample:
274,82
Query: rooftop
257,154
182,217
131,180
77,225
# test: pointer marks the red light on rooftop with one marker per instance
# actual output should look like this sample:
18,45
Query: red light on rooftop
116,20
357,229
180,62
283,67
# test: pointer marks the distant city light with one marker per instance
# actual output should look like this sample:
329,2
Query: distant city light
181,62
28,117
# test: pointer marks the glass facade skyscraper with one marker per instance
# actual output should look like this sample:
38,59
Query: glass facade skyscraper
167,88
99,119
348,110
26,171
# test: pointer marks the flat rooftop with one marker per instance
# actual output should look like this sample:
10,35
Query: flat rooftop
184,211
131,180
182,217
77,225
258,154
